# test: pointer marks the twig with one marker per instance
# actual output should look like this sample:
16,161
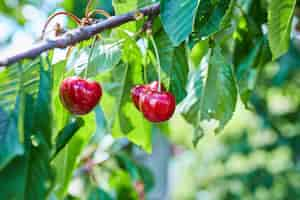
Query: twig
77,35
148,25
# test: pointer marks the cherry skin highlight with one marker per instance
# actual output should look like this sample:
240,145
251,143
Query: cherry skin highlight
154,86
157,106
79,96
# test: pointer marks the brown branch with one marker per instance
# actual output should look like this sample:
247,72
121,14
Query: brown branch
77,35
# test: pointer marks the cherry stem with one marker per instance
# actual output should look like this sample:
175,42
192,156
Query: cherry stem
69,51
90,56
158,61
145,60
88,7
98,11
146,64
73,17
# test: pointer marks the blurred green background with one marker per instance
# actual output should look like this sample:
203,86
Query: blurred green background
256,157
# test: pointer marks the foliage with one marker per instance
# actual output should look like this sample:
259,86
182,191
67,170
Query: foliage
212,55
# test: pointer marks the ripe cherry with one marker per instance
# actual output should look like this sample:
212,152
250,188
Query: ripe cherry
139,90
80,96
157,106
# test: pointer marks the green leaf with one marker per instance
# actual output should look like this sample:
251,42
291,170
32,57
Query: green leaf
179,73
104,58
210,104
136,171
102,128
147,177
165,50
280,15
251,49
27,125
248,31
106,5
15,78
246,73
39,175
220,92
12,179
39,172
177,18
67,133
124,6
127,121
213,16
43,109
191,105
127,163
248,70
28,176
174,65
60,114
198,51
58,71
67,159
16,171
11,145
289,65
121,182
99,194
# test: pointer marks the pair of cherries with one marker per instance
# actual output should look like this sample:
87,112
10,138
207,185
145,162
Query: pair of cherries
80,96
156,104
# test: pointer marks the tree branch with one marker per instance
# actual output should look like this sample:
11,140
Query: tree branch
77,35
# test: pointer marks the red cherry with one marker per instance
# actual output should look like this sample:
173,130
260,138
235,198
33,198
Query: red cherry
139,90
157,106
79,96
136,93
